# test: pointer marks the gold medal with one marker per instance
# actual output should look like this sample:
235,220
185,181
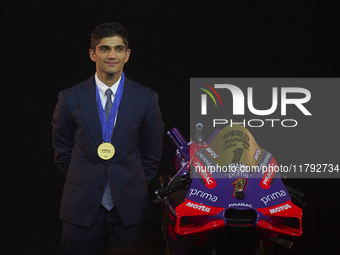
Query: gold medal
106,151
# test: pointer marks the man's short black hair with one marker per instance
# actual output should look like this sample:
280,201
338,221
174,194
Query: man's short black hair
109,30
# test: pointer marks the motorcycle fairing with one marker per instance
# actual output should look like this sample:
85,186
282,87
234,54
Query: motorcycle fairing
200,214
264,191
285,210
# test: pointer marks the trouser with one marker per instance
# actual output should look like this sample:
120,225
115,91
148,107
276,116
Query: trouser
107,235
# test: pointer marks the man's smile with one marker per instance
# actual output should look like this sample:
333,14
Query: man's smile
112,63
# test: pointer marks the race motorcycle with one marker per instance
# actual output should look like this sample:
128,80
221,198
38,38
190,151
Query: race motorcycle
227,197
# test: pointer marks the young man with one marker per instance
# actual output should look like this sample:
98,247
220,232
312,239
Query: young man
108,145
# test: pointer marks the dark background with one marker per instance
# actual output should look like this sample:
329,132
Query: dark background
45,49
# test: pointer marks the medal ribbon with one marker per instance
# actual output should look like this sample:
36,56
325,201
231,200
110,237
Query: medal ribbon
107,125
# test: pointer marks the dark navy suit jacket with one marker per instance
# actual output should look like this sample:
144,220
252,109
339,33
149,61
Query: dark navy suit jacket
137,138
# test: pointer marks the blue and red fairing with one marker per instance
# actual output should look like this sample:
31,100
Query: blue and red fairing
212,201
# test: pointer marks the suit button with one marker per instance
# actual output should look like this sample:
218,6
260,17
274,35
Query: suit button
100,187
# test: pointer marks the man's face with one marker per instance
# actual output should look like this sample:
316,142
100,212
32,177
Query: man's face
110,56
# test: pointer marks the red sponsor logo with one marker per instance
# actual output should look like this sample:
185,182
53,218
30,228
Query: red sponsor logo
269,174
210,183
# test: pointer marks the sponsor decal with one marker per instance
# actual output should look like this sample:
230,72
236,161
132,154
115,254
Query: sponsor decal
280,208
257,153
237,174
198,207
273,196
199,193
239,185
265,161
241,204
212,153
204,159
210,183
269,174
286,209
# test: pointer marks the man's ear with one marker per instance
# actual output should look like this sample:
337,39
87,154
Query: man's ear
127,55
92,55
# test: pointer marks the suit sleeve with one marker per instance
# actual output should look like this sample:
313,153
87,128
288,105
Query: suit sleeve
151,138
63,134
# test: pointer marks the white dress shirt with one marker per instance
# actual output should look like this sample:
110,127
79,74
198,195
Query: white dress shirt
102,88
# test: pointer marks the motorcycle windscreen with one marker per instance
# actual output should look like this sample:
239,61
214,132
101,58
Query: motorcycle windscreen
234,145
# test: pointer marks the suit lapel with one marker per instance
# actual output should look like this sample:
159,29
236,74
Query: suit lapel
125,111
88,104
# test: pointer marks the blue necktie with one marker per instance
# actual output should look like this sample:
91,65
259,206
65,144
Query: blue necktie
107,200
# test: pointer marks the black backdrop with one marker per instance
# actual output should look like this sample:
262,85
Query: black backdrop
45,49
